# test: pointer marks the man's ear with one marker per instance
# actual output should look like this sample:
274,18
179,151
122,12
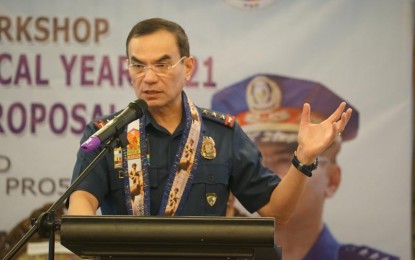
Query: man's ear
334,179
189,63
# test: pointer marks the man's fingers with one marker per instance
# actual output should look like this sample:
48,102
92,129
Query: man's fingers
305,115
344,119
338,113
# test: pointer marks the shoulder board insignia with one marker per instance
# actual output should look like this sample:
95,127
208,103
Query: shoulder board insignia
224,119
100,123
350,251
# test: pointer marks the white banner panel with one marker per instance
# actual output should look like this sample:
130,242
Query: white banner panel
61,64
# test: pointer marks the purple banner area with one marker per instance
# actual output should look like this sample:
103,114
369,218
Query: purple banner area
58,118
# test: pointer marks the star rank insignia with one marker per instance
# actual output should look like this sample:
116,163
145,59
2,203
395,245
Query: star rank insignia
226,120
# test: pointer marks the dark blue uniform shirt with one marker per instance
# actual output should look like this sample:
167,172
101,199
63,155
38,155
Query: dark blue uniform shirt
237,167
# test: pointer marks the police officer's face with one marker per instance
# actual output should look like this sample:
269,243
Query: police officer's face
323,183
159,90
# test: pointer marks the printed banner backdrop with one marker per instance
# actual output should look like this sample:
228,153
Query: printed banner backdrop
61,65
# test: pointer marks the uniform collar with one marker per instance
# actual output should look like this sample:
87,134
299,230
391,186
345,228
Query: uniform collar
326,246
150,122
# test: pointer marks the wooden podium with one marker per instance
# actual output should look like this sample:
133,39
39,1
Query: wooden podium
131,237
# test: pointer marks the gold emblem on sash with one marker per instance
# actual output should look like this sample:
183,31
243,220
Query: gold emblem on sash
211,198
117,158
208,148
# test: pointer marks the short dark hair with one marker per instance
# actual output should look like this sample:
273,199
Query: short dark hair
156,24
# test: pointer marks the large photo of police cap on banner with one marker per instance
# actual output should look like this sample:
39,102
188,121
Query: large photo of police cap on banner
62,64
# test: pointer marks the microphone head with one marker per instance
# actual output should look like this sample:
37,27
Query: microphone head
140,106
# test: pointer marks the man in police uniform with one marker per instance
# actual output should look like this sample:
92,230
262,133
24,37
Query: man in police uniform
222,158
268,108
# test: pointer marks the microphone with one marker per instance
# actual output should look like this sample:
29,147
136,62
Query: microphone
133,111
